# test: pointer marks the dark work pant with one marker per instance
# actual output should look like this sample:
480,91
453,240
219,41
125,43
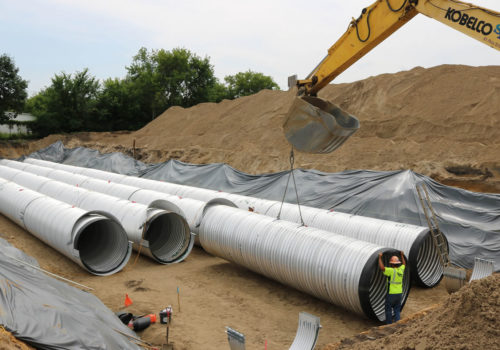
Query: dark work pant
392,302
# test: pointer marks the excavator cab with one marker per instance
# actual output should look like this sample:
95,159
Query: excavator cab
314,125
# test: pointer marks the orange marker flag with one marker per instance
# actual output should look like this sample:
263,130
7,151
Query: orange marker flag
128,301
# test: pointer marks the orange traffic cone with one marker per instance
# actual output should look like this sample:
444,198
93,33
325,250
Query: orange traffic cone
128,301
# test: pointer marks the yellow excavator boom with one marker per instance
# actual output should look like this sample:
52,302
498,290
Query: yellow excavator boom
311,128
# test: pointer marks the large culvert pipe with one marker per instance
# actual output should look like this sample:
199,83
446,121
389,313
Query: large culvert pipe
163,235
415,241
188,208
95,242
332,267
161,186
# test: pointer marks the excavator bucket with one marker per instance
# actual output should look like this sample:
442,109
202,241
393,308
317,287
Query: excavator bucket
314,125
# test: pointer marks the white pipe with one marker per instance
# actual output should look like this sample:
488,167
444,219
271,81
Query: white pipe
332,267
415,241
336,268
163,235
190,209
95,242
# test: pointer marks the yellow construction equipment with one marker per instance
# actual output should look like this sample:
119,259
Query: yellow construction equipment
317,126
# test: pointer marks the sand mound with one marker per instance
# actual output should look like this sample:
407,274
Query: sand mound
467,320
444,114
9,342
442,122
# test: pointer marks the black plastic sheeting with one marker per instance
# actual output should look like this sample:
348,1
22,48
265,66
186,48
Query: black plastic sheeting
49,314
470,221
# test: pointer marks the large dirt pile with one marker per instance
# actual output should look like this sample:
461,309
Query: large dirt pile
467,320
444,114
9,342
442,122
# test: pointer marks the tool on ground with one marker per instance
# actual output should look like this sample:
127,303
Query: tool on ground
125,317
314,125
166,315
166,318
152,317
140,323
137,323
169,346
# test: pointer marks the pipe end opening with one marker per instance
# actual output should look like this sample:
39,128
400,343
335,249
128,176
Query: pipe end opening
373,287
429,269
168,236
103,246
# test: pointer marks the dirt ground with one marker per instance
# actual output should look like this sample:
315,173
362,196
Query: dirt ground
9,342
214,294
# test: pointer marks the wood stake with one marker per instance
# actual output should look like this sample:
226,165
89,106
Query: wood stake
179,299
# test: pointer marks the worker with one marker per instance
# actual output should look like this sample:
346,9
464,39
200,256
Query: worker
394,286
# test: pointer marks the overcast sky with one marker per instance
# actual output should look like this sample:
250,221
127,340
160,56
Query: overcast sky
275,37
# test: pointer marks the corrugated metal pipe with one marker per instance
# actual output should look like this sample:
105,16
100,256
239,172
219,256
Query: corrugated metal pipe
96,242
415,241
190,209
163,235
335,268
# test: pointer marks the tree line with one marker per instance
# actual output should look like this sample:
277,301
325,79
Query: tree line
155,81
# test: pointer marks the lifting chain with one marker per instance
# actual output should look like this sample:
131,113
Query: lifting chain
291,174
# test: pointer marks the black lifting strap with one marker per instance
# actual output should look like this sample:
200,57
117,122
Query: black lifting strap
291,174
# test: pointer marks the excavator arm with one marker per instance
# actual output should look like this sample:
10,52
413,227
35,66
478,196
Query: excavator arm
317,126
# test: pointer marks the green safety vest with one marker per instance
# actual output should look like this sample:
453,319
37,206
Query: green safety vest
395,279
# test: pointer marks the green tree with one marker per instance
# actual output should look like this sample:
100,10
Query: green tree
218,92
170,78
119,106
248,83
67,105
185,78
12,89
46,122
155,81
143,74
